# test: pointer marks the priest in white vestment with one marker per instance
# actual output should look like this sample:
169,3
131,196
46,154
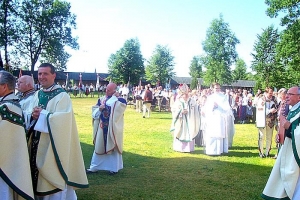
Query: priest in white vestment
56,160
15,178
25,86
284,180
186,121
108,125
216,111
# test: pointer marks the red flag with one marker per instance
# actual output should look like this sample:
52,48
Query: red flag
20,73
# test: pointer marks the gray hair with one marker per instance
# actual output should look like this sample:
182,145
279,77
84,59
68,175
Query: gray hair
7,78
282,90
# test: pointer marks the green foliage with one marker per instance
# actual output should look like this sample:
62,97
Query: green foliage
239,73
264,57
219,46
7,30
127,63
197,64
289,7
194,83
160,66
250,76
44,29
287,49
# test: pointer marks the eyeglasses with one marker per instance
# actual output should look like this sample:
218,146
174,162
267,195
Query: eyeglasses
217,88
290,94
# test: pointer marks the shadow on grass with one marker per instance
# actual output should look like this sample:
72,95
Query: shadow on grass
241,154
186,176
165,118
243,148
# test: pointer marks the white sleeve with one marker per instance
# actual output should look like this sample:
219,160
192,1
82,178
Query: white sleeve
96,112
41,124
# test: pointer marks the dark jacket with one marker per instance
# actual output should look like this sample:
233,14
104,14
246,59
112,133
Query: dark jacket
148,96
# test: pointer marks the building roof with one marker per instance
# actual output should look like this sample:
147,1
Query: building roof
187,80
242,84
87,76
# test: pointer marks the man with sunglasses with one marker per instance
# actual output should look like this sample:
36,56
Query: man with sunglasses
284,182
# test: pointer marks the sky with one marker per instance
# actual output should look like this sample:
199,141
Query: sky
103,26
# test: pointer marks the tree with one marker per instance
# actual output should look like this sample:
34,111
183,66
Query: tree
127,64
264,57
289,43
239,73
196,66
45,28
219,46
160,66
7,29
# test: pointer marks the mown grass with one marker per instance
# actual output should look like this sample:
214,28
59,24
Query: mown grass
152,170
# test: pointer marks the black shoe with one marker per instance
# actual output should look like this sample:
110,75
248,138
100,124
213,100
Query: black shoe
143,116
87,171
112,173
262,155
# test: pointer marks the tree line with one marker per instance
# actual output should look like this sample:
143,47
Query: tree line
34,31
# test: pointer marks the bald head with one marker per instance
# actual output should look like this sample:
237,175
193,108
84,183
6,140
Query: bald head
293,95
25,83
111,88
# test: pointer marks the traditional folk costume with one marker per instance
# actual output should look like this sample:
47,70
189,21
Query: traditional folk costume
284,182
108,126
185,127
216,124
56,160
15,178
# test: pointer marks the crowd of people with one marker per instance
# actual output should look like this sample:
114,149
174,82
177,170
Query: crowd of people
46,161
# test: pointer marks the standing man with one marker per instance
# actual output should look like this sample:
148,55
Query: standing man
216,110
270,103
138,99
185,121
125,91
284,182
56,161
15,179
25,86
92,88
108,126
148,98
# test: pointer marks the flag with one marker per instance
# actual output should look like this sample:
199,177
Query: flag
98,79
80,81
67,80
20,73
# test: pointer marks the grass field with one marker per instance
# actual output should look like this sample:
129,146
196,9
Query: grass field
152,170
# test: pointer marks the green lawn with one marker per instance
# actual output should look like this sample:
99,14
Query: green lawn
152,170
